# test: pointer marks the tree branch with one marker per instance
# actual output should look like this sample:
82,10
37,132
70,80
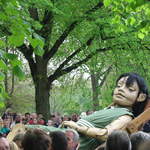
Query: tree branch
46,30
106,73
12,84
88,43
34,13
47,24
28,52
4,30
61,39
57,74
147,48
96,7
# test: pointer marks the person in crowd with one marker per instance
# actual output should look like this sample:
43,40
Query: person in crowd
139,138
89,112
33,117
129,99
53,118
75,117
36,139
59,140
41,121
5,129
26,118
18,118
56,118
65,118
4,144
35,121
50,123
73,139
1,123
146,127
7,113
18,139
118,140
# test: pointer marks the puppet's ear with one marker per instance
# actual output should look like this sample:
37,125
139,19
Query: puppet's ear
141,97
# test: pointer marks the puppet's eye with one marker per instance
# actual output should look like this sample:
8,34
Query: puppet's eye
131,89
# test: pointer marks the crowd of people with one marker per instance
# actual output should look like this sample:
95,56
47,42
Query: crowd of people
37,139
10,119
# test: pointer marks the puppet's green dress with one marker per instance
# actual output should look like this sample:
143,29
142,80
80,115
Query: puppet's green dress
99,119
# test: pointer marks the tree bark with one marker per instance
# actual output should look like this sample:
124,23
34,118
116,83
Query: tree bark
42,98
42,88
95,93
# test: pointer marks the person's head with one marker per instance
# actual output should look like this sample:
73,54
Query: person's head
36,139
33,116
75,117
139,138
35,121
65,118
42,121
72,138
18,118
50,123
6,123
118,140
4,144
1,122
131,91
27,115
59,140
40,116
18,139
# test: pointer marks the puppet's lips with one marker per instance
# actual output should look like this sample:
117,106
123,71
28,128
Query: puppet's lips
120,95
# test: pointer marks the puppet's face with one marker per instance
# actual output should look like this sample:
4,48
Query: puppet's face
123,95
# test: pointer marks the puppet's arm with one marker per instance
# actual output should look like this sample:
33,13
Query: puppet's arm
99,133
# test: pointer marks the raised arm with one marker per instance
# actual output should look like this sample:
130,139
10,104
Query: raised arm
99,133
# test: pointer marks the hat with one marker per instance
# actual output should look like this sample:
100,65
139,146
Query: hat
18,128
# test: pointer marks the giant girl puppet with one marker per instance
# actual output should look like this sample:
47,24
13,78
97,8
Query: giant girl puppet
129,99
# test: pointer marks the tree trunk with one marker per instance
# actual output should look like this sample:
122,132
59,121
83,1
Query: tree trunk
95,93
42,98
42,87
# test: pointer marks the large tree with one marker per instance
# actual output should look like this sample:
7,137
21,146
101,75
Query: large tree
70,32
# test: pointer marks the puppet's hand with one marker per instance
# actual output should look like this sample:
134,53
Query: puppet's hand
70,124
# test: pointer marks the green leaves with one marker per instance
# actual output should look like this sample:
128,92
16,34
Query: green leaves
16,39
3,66
11,56
2,76
2,104
141,35
18,72
107,3
38,44
14,64
39,51
130,13
2,43
3,95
